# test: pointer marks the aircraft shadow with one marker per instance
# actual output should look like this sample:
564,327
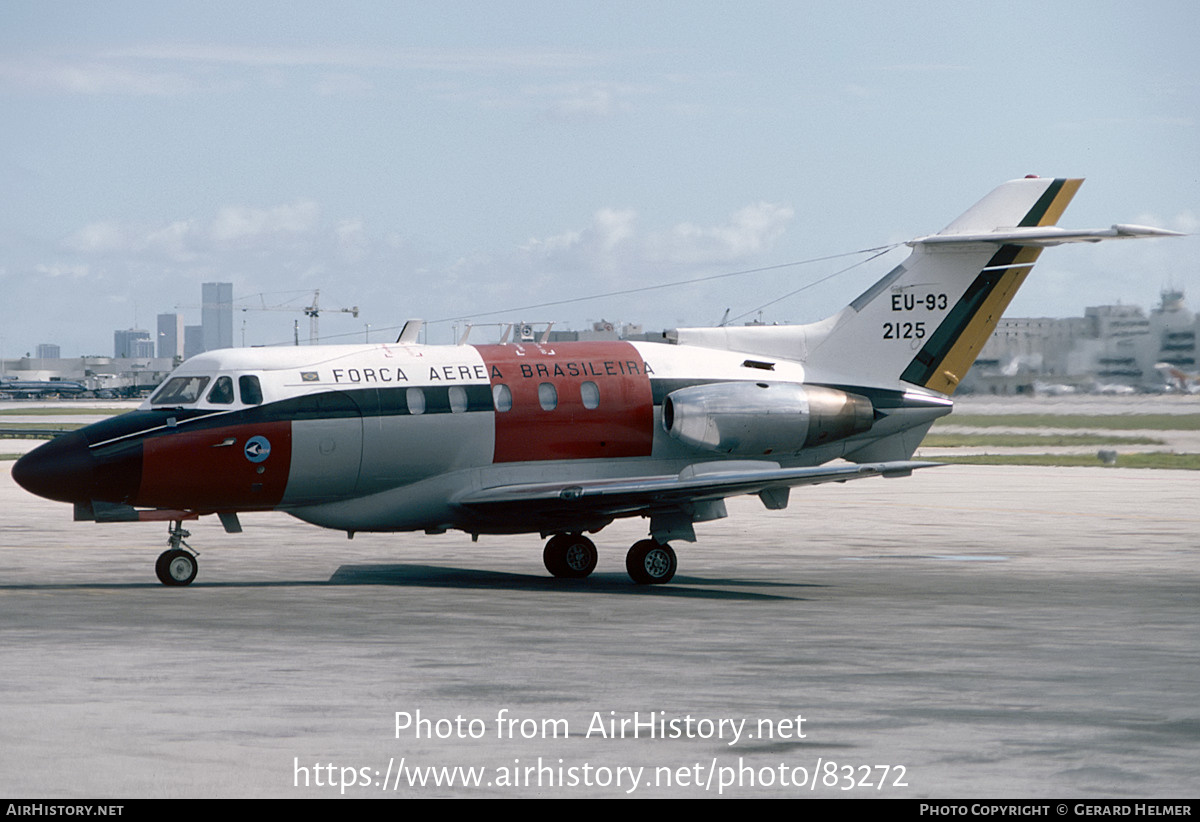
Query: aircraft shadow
434,576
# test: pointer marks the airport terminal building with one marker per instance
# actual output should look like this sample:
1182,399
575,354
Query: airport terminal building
1109,348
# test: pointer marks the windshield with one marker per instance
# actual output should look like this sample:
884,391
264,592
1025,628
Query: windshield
180,391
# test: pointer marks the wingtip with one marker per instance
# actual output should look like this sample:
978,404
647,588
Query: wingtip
1130,230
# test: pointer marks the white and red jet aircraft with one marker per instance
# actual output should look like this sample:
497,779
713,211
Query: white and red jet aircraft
563,438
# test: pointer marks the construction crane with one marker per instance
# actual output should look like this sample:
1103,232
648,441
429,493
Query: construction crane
312,311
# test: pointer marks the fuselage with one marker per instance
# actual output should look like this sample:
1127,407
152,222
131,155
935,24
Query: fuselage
384,437
42,388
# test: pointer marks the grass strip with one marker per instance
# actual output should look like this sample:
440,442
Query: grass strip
1105,422
42,426
60,411
1156,459
1032,440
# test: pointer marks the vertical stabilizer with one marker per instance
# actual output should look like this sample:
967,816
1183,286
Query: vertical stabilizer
925,322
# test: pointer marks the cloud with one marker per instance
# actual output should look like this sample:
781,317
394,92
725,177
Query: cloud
584,100
343,84
185,240
352,58
613,240
292,245
926,68
174,69
750,231
352,241
593,247
239,224
99,238
93,77
74,271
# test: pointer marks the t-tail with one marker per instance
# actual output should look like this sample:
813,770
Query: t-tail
924,323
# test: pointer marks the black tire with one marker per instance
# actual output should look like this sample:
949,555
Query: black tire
176,567
570,556
651,563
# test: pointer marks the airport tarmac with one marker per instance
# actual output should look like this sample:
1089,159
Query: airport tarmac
965,632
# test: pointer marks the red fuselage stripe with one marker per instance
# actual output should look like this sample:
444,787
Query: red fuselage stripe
211,467
557,423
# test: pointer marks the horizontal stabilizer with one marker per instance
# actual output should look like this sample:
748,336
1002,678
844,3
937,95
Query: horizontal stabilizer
1045,235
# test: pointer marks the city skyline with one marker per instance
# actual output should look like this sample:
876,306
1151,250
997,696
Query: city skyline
1168,295
424,164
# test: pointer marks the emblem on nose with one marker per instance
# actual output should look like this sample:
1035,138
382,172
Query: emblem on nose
257,449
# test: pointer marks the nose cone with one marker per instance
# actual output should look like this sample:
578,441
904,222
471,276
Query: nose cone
62,469
65,469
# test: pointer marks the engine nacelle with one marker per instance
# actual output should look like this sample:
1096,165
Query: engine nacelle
759,418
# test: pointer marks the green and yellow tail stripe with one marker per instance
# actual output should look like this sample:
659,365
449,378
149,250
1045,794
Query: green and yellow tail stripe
952,348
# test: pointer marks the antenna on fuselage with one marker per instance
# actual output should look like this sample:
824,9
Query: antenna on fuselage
411,332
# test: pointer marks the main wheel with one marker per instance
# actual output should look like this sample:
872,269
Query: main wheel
651,563
176,567
571,556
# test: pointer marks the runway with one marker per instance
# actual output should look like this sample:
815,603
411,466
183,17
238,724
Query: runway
966,632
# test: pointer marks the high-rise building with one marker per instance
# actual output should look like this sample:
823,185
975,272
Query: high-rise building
48,351
1173,329
193,341
170,335
216,316
133,343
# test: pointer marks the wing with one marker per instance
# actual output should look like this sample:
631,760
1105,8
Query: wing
688,492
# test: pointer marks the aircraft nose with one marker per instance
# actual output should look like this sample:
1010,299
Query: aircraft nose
70,469
62,469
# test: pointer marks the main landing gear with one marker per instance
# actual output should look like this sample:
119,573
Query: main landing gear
573,556
651,563
176,566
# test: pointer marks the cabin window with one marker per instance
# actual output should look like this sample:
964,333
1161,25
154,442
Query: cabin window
251,390
180,391
458,399
222,392
589,392
547,396
416,400
502,397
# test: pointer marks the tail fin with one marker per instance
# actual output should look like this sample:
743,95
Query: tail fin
975,296
926,321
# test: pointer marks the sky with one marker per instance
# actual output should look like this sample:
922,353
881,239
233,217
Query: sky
500,161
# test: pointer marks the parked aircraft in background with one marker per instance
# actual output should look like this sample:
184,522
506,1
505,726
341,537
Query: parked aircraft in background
41,388
1177,378
563,438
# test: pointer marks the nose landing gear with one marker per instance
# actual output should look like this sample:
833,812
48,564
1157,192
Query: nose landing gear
175,566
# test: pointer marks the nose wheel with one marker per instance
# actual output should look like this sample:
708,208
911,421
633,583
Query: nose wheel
176,566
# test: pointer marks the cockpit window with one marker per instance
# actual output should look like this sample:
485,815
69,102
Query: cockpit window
251,390
180,391
222,392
